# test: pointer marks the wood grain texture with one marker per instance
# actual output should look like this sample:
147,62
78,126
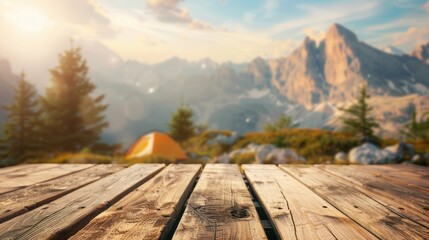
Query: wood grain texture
409,202
24,169
23,200
220,207
36,174
412,176
296,211
20,171
149,211
366,211
61,218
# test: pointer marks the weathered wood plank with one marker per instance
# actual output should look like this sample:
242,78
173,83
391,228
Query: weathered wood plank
412,168
24,169
366,211
19,171
220,207
18,202
410,202
149,211
34,174
296,211
401,174
62,217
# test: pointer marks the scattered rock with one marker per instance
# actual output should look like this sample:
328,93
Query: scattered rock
224,139
341,156
262,152
415,158
400,150
283,155
266,154
368,153
224,158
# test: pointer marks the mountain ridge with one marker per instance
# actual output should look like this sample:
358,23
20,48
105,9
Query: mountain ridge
310,84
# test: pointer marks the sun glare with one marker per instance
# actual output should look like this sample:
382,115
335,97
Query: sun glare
27,19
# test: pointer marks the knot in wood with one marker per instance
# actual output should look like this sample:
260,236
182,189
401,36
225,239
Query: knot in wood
239,212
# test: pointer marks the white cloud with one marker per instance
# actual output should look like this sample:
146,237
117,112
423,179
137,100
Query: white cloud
414,36
270,6
79,12
404,3
248,17
426,6
169,11
340,13
82,17
416,20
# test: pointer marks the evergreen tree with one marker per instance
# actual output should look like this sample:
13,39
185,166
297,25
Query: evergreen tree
21,138
358,117
73,118
283,122
181,125
415,129
411,129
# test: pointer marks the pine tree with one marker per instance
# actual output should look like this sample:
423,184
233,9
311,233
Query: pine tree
358,117
21,137
73,118
415,129
283,122
181,125
411,129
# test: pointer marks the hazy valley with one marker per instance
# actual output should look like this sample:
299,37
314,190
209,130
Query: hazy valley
310,84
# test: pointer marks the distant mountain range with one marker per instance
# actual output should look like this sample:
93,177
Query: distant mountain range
310,85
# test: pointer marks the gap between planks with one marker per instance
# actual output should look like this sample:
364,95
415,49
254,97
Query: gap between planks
63,217
150,211
369,213
18,202
296,211
220,207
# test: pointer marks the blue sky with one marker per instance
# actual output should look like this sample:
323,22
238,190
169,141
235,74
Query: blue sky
224,30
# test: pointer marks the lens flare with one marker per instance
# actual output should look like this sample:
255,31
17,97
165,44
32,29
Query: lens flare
27,19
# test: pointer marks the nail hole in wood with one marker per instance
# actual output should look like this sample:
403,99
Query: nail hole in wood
325,207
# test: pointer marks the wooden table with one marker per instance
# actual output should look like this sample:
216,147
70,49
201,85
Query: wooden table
219,201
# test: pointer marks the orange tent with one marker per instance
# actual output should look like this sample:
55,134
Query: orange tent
156,144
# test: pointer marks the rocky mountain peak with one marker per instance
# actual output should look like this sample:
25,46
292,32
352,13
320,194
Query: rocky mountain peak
258,65
258,61
337,31
308,45
422,53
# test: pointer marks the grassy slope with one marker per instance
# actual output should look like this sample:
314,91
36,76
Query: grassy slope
317,146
